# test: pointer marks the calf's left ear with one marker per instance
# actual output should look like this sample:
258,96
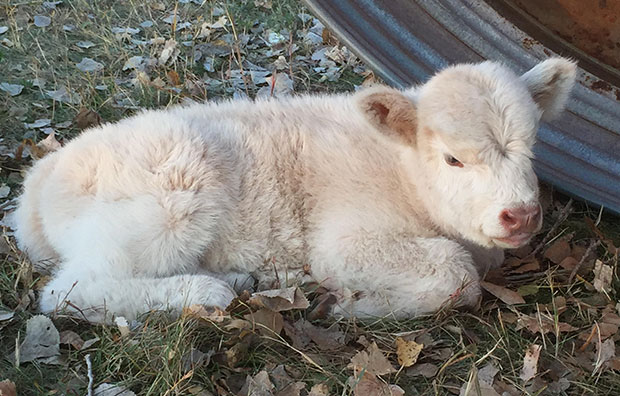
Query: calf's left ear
391,112
550,83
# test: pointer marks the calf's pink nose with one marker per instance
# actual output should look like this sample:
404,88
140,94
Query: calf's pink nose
521,219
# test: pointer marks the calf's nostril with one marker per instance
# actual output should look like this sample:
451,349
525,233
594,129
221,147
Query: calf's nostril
509,220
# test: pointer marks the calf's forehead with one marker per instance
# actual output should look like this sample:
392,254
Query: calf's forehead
482,111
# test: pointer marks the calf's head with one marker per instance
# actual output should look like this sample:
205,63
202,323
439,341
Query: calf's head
465,141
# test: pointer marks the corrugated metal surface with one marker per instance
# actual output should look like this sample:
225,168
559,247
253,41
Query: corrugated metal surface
406,41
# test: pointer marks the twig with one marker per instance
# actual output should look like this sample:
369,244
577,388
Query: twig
563,215
593,245
89,367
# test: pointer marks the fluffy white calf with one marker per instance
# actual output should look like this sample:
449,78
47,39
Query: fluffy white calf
379,195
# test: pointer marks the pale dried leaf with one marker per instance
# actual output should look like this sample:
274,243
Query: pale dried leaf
47,145
605,351
6,315
135,62
4,192
508,296
293,389
127,30
88,65
40,123
210,314
106,389
280,299
11,89
268,322
370,385
603,275
85,44
4,29
407,351
259,385
372,360
475,387
542,324
426,370
319,390
72,338
42,341
42,20
7,388
486,375
63,95
169,52
530,362
123,325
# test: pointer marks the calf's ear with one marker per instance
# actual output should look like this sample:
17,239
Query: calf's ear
390,112
550,83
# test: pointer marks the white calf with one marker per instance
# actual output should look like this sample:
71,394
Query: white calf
377,193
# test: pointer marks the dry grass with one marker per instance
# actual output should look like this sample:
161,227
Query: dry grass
153,359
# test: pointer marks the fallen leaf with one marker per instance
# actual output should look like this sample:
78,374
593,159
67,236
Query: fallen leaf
174,78
169,52
426,370
89,343
569,263
40,123
259,385
506,295
372,360
280,299
88,65
210,314
6,315
269,322
319,390
122,325
302,332
42,341
476,386
196,359
542,324
527,267
4,192
370,385
7,388
11,89
42,21
106,389
45,146
293,389
85,44
605,351
86,118
127,30
603,275
68,337
134,63
4,29
558,251
407,351
237,353
530,363
528,290
63,95
280,85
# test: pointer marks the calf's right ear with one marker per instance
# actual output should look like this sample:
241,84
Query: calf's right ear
391,112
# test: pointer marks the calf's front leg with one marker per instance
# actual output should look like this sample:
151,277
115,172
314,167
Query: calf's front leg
397,274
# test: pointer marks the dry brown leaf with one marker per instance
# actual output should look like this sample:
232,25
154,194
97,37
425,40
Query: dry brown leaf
603,275
542,324
370,385
259,385
173,78
319,390
407,351
268,322
45,146
426,370
558,251
527,267
237,353
372,360
569,263
280,299
86,118
210,314
478,383
508,296
530,363
72,338
293,389
42,341
605,351
7,388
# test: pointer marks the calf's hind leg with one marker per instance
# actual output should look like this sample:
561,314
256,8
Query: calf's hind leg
125,258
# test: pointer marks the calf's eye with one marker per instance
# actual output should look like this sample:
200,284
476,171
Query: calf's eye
450,160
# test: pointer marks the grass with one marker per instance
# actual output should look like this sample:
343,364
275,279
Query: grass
153,359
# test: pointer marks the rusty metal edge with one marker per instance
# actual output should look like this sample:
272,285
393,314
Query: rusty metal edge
406,41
